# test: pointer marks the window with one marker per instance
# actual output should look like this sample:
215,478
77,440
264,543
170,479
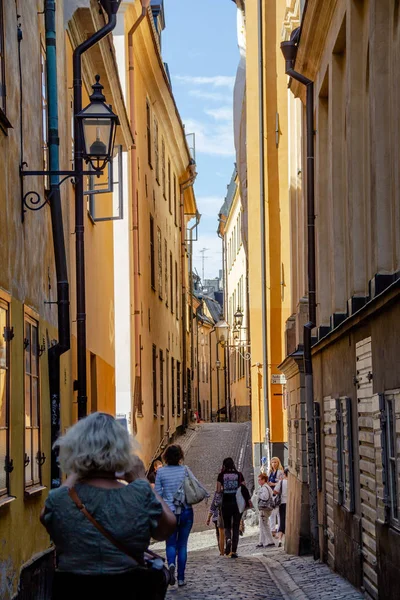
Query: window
189,389
152,257
161,384
148,121
171,274
173,386
4,398
389,462
32,403
45,147
166,270
176,290
163,168
159,253
344,440
176,208
156,156
169,187
178,388
2,63
154,362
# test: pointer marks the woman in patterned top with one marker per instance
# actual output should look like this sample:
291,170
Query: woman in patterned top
228,483
216,516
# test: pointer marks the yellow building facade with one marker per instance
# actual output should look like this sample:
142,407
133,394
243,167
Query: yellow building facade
28,284
162,175
266,179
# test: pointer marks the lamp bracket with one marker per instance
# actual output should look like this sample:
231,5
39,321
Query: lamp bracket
32,200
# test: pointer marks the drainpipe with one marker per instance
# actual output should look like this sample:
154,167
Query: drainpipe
63,344
262,227
111,8
289,50
198,362
183,187
135,210
211,372
190,229
227,372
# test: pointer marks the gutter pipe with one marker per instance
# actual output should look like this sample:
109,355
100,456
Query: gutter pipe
227,372
183,187
63,345
137,393
111,8
289,50
262,227
198,217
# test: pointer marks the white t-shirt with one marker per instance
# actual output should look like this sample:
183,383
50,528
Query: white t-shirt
281,487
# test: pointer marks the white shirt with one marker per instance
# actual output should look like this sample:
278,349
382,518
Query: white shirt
281,487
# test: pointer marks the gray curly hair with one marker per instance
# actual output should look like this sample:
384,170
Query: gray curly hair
96,443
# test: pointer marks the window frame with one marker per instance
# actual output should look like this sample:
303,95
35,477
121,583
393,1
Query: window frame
345,476
390,463
178,388
163,167
5,305
173,386
154,375
32,319
161,384
156,152
160,261
152,255
148,125
171,273
169,186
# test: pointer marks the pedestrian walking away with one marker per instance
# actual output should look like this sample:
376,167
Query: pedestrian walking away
102,518
228,482
282,490
275,473
157,464
170,484
265,507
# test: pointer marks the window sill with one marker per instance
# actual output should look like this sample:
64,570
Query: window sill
5,500
35,490
4,123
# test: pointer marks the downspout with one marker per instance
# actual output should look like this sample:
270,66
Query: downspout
262,227
217,369
289,50
198,362
183,187
211,372
137,393
190,229
63,344
227,372
111,7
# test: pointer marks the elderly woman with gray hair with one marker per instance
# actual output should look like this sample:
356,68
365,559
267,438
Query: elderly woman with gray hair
102,518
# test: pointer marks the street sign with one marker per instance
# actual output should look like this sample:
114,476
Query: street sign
278,379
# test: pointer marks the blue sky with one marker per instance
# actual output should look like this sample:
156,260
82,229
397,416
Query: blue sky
200,47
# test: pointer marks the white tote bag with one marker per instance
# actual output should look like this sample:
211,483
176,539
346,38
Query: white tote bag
240,501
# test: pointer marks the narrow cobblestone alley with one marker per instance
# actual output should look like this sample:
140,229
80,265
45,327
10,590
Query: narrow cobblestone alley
270,574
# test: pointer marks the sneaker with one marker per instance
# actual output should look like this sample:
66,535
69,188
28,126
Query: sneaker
228,547
260,546
181,582
280,545
270,546
234,555
171,569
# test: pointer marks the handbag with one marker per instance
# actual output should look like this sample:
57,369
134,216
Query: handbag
240,501
194,491
151,571
266,503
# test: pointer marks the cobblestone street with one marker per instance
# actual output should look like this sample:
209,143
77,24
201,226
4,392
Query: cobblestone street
270,574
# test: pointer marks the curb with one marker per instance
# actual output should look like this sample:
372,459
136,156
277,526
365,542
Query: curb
284,582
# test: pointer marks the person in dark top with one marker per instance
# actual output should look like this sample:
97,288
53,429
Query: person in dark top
228,483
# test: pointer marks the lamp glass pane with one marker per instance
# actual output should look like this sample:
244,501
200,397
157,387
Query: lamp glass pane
97,135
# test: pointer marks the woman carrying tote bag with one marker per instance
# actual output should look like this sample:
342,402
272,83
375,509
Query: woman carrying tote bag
170,485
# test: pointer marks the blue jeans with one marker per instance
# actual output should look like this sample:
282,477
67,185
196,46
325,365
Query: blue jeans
178,541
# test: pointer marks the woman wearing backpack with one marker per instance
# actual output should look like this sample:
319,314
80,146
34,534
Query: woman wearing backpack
229,481
266,504
170,486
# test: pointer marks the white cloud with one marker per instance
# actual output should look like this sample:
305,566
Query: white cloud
213,96
224,113
209,205
216,81
215,139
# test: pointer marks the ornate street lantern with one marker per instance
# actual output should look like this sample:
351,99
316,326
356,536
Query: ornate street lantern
238,316
97,126
236,333
222,331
